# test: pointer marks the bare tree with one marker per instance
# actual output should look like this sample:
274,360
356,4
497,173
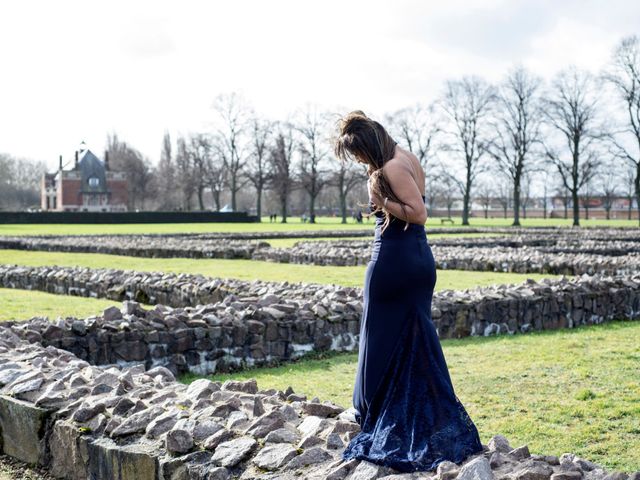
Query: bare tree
166,176
185,173
417,127
313,174
281,166
609,181
256,167
443,187
571,111
345,178
545,190
233,114
485,197
586,196
526,193
516,129
630,188
431,191
564,195
503,193
624,75
20,182
216,172
200,150
467,102
137,168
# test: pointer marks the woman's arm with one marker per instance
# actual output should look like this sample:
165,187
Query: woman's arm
405,188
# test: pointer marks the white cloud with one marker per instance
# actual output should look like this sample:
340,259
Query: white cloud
77,70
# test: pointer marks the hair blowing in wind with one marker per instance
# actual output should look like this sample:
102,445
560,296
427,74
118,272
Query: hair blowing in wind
366,141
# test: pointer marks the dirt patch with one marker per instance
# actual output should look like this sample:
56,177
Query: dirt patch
11,469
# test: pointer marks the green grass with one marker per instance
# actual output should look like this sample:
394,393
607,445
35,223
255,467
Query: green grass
251,269
24,304
293,224
575,390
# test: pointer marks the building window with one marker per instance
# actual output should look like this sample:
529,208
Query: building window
94,181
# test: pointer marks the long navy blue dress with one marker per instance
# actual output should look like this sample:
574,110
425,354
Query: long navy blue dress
410,417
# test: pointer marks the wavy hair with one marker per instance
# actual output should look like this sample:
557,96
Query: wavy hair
364,140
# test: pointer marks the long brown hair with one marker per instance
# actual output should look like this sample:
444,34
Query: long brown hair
366,141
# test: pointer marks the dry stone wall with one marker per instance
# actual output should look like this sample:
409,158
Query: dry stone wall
477,254
262,323
139,246
208,245
81,422
555,251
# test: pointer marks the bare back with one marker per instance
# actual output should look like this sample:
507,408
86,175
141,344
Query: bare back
410,161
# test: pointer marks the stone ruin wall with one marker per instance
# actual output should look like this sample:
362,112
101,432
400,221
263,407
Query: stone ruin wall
80,422
264,323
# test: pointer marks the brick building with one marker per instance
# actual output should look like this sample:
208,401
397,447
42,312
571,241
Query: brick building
90,186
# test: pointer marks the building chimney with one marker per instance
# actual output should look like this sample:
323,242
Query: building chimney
60,162
76,165
106,160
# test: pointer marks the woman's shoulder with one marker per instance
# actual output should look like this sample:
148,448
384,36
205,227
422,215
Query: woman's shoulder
403,159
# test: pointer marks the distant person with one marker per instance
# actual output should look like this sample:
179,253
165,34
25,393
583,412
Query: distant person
359,216
405,403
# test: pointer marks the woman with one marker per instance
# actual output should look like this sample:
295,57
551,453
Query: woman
409,415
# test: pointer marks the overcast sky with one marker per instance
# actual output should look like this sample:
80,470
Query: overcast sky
73,71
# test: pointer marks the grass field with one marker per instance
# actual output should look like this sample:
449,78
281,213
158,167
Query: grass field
250,269
24,304
294,223
558,391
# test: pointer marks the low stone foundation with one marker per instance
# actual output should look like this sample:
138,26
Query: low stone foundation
529,255
544,250
225,336
139,246
263,323
81,422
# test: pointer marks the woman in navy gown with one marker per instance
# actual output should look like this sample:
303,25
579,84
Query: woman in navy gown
410,417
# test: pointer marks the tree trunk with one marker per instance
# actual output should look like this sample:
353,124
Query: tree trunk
516,203
259,203
200,197
343,206
312,209
465,207
576,208
233,192
283,205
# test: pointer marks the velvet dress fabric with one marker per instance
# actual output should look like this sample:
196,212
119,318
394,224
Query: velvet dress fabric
410,417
